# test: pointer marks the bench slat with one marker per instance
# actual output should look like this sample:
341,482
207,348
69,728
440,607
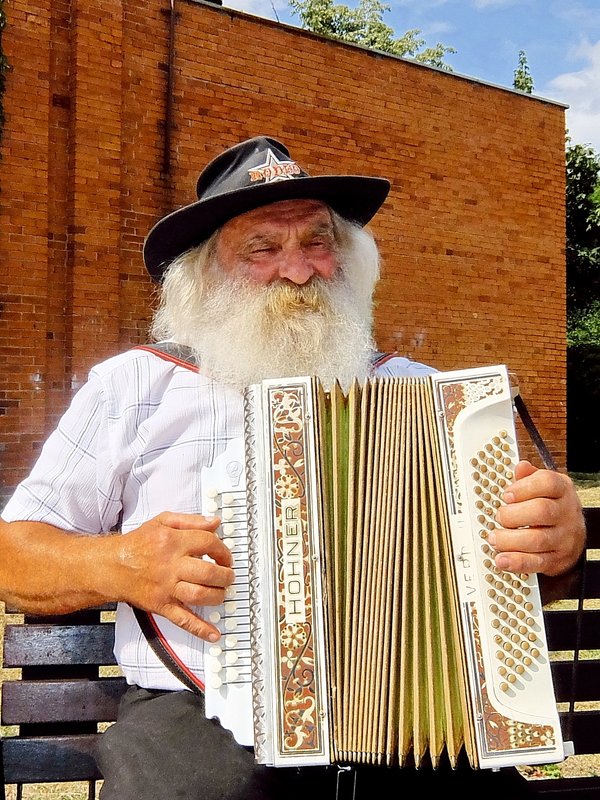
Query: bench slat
587,681
561,627
576,788
31,645
61,701
585,731
592,519
50,759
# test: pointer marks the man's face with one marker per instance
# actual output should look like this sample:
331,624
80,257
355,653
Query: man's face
291,240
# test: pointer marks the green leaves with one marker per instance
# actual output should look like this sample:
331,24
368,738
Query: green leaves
364,26
522,77
583,230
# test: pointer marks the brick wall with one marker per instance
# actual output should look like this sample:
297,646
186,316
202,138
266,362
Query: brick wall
94,152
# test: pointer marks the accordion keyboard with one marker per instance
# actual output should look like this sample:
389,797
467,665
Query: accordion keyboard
227,664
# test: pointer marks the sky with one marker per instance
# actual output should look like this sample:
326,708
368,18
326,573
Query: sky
560,39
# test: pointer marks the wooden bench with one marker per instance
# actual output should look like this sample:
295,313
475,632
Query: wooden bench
60,700
62,696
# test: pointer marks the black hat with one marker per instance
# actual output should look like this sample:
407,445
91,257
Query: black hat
252,174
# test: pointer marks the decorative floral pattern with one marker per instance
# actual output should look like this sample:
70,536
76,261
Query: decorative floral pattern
299,690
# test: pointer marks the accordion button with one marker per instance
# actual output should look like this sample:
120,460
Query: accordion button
231,641
215,682
215,651
214,617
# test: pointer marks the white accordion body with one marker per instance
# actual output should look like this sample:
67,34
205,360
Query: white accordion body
369,623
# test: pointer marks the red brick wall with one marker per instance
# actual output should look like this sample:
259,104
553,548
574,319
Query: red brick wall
472,234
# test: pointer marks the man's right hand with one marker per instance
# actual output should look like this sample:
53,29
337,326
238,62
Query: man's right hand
163,569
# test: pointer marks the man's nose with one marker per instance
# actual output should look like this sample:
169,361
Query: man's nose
296,267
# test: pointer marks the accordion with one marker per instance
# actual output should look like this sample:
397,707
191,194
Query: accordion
370,623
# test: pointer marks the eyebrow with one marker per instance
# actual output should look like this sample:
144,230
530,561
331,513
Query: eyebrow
257,239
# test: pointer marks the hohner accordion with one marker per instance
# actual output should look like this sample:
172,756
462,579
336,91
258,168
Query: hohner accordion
370,623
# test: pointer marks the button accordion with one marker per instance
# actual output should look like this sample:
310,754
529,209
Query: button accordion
370,623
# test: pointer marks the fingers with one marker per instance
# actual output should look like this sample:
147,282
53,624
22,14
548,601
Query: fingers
541,526
531,482
188,534
173,562
181,521
184,618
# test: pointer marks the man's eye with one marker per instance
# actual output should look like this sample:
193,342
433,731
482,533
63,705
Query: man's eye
262,250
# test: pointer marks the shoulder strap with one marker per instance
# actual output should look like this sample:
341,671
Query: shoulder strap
379,357
172,351
148,628
183,356
533,432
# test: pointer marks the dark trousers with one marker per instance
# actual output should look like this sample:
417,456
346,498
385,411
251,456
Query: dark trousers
162,747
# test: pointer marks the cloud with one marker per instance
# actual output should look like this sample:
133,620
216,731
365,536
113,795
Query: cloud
581,91
481,5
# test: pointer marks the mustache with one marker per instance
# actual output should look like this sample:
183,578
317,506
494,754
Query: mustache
289,298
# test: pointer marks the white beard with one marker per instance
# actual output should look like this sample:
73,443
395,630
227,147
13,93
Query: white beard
242,332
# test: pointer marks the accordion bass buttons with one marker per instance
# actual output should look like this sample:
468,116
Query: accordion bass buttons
515,634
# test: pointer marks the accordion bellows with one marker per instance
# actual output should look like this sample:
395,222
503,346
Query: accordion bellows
381,631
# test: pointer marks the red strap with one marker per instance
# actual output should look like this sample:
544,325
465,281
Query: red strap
166,356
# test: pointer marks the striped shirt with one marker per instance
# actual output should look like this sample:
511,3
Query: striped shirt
131,445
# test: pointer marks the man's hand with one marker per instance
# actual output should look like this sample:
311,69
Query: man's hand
161,569
542,525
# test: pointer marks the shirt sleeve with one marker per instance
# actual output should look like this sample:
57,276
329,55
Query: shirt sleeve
73,485
400,367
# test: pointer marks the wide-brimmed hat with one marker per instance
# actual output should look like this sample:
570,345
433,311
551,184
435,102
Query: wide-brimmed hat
251,174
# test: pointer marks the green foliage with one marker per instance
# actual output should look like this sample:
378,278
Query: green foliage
522,78
583,227
583,326
364,25
583,307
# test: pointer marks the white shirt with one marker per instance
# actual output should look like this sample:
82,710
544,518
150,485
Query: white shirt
131,445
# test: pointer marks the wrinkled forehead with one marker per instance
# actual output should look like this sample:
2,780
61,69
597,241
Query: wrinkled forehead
281,215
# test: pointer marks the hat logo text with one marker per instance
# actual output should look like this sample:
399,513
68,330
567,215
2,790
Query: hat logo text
273,169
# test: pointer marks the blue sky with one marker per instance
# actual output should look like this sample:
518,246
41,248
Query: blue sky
561,40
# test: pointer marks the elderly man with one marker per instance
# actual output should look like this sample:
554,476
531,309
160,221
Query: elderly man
269,273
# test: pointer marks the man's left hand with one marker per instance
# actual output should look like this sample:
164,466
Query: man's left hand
542,524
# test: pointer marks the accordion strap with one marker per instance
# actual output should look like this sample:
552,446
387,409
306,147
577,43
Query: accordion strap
183,356
533,432
148,628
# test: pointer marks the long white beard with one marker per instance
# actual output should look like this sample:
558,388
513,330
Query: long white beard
242,332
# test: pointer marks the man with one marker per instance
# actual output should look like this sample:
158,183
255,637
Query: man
269,273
